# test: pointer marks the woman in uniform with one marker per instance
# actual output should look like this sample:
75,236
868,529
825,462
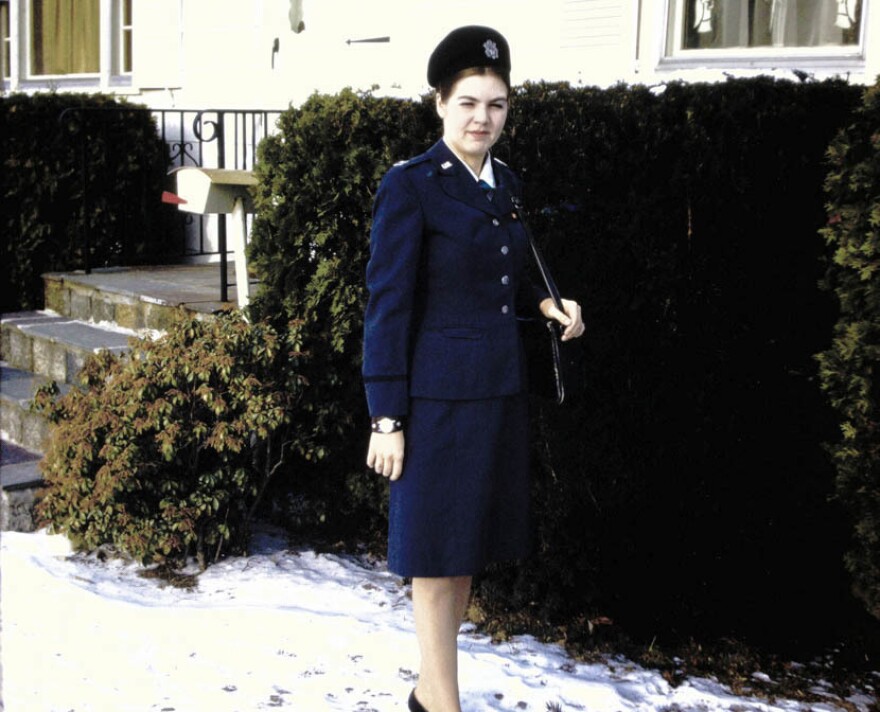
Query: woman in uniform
443,362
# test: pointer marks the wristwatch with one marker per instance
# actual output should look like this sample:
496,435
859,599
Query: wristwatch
386,425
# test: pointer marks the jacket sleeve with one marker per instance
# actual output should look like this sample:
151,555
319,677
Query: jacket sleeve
395,248
529,297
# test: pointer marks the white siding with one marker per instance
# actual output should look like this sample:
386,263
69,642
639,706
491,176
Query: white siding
157,55
598,40
592,23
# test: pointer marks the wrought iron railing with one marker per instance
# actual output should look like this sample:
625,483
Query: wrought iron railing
209,138
219,138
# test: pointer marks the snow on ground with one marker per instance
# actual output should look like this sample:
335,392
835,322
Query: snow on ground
280,629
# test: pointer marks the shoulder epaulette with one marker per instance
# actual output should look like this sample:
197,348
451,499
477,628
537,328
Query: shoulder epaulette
412,161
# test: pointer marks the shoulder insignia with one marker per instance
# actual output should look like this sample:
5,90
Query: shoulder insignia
412,161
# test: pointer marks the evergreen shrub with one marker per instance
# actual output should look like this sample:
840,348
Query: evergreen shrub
166,452
687,492
309,244
850,367
96,175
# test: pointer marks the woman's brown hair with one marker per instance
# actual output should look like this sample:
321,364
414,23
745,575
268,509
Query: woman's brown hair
444,88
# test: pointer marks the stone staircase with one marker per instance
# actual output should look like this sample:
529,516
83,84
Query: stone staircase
84,314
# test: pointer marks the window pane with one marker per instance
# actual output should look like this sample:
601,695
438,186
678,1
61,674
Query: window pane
718,24
126,52
126,35
6,48
65,36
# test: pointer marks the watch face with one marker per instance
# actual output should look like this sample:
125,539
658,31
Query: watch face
386,425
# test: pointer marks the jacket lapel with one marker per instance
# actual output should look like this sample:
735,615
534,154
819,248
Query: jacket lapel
457,182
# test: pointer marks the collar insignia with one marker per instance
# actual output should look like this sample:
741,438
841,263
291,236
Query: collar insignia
446,166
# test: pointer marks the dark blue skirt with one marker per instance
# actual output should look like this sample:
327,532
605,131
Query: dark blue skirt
463,499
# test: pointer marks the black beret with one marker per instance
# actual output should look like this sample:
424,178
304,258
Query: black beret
471,46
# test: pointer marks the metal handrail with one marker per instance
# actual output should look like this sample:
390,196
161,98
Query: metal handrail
207,138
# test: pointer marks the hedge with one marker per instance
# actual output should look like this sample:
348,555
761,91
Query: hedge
166,453
105,148
849,366
688,491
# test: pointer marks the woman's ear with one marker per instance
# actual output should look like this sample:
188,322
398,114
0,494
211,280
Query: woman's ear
441,106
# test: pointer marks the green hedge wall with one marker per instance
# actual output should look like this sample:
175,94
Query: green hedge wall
688,491
848,367
43,226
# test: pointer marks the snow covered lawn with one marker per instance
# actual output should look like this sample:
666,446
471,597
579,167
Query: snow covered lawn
278,629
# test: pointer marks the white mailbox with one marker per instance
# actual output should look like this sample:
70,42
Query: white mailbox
224,191
213,190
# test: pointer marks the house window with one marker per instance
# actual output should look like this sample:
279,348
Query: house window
65,37
6,39
77,38
122,20
769,24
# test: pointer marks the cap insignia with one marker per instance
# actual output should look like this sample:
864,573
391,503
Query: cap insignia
491,49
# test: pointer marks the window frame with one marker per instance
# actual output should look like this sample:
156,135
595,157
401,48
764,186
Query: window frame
124,33
109,75
832,58
6,43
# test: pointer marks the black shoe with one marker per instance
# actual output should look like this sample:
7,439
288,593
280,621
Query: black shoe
414,704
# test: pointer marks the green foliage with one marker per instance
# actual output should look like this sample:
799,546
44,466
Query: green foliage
95,173
849,368
166,452
309,244
684,219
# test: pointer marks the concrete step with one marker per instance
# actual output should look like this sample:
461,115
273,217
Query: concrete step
20,479
50,345
19,468
85,313
19,425
137,298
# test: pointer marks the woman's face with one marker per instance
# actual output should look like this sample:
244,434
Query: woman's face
473,116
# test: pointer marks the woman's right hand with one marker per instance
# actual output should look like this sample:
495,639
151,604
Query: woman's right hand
385,454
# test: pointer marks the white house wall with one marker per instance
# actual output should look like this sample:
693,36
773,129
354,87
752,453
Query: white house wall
219,53
223,48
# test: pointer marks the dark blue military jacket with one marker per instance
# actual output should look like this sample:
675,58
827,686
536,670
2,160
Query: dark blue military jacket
447,280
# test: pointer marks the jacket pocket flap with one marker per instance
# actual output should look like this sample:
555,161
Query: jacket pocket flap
462,332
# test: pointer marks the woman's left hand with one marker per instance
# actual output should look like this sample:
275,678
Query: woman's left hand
570,318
